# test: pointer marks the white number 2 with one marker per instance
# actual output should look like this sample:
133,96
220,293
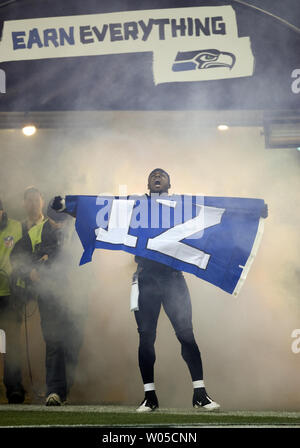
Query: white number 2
169,242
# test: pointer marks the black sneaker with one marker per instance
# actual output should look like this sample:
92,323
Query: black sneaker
203,401
16,397
54,400
147,406
150,402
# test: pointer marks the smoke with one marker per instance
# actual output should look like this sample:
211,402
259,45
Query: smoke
245,342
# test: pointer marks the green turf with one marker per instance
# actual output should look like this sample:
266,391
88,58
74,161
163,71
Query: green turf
17,418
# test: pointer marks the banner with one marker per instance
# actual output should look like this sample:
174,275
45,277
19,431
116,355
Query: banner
214,238
188,44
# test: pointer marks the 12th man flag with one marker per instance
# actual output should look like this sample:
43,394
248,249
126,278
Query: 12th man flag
214,238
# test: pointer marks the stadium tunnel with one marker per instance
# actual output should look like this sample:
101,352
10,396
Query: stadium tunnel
102,125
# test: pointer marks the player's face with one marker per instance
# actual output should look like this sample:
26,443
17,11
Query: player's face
158,182
33,204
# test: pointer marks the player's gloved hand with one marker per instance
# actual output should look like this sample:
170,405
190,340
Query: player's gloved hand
58,204
264,213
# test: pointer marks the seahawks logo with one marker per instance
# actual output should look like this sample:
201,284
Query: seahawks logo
202,59
9,242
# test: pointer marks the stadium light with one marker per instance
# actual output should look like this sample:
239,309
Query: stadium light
223,127
282,133
29,130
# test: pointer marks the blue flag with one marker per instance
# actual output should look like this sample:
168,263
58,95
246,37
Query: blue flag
214,238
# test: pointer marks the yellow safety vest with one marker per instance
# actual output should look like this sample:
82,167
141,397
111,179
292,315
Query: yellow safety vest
8,238
35,235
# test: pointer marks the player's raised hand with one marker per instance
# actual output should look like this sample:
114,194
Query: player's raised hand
58,204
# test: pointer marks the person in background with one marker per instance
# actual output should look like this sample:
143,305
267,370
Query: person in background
33,205
11,310
63,309
37,261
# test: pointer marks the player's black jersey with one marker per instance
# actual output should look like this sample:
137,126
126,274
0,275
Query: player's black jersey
154,266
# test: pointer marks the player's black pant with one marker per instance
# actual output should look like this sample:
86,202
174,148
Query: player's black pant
170,290
63,335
